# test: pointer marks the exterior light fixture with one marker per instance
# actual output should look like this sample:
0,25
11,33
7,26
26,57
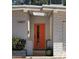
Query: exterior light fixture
39,14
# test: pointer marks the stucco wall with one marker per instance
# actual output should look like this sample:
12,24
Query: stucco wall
19,29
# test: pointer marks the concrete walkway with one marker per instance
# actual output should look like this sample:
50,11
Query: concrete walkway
41,58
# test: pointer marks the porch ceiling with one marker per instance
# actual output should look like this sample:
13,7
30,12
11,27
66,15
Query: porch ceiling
47,13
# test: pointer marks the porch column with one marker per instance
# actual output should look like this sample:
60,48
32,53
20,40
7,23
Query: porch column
26,16
51,24
29,42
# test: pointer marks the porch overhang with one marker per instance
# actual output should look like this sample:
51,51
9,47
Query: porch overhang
43,8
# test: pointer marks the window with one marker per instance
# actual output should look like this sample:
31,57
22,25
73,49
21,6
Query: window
27,2
56,1
14,2
64,2
38,2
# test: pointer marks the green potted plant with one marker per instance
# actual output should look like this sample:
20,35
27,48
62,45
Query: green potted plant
49,52
49,48
18,46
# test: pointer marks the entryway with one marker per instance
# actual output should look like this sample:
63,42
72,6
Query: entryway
41,35
39,39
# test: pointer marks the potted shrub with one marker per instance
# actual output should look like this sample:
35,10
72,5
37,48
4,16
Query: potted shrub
49,48
18,46
49,52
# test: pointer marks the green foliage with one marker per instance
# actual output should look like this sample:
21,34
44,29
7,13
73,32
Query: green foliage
15,40
49,52
17,43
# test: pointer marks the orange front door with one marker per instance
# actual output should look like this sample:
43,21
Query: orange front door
39,36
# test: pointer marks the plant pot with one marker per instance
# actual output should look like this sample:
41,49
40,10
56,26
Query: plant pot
49,52
19,53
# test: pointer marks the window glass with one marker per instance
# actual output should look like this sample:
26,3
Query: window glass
64,2
38,2
56,1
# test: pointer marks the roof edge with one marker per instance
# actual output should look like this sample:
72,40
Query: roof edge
43,6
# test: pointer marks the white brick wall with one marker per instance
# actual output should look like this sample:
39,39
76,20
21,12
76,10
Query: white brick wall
58,49
58,38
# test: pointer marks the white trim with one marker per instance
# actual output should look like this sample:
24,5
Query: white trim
17,9
43,6
25,6
52,5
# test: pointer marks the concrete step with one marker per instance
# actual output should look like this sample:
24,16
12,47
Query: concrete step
19,58
39,53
